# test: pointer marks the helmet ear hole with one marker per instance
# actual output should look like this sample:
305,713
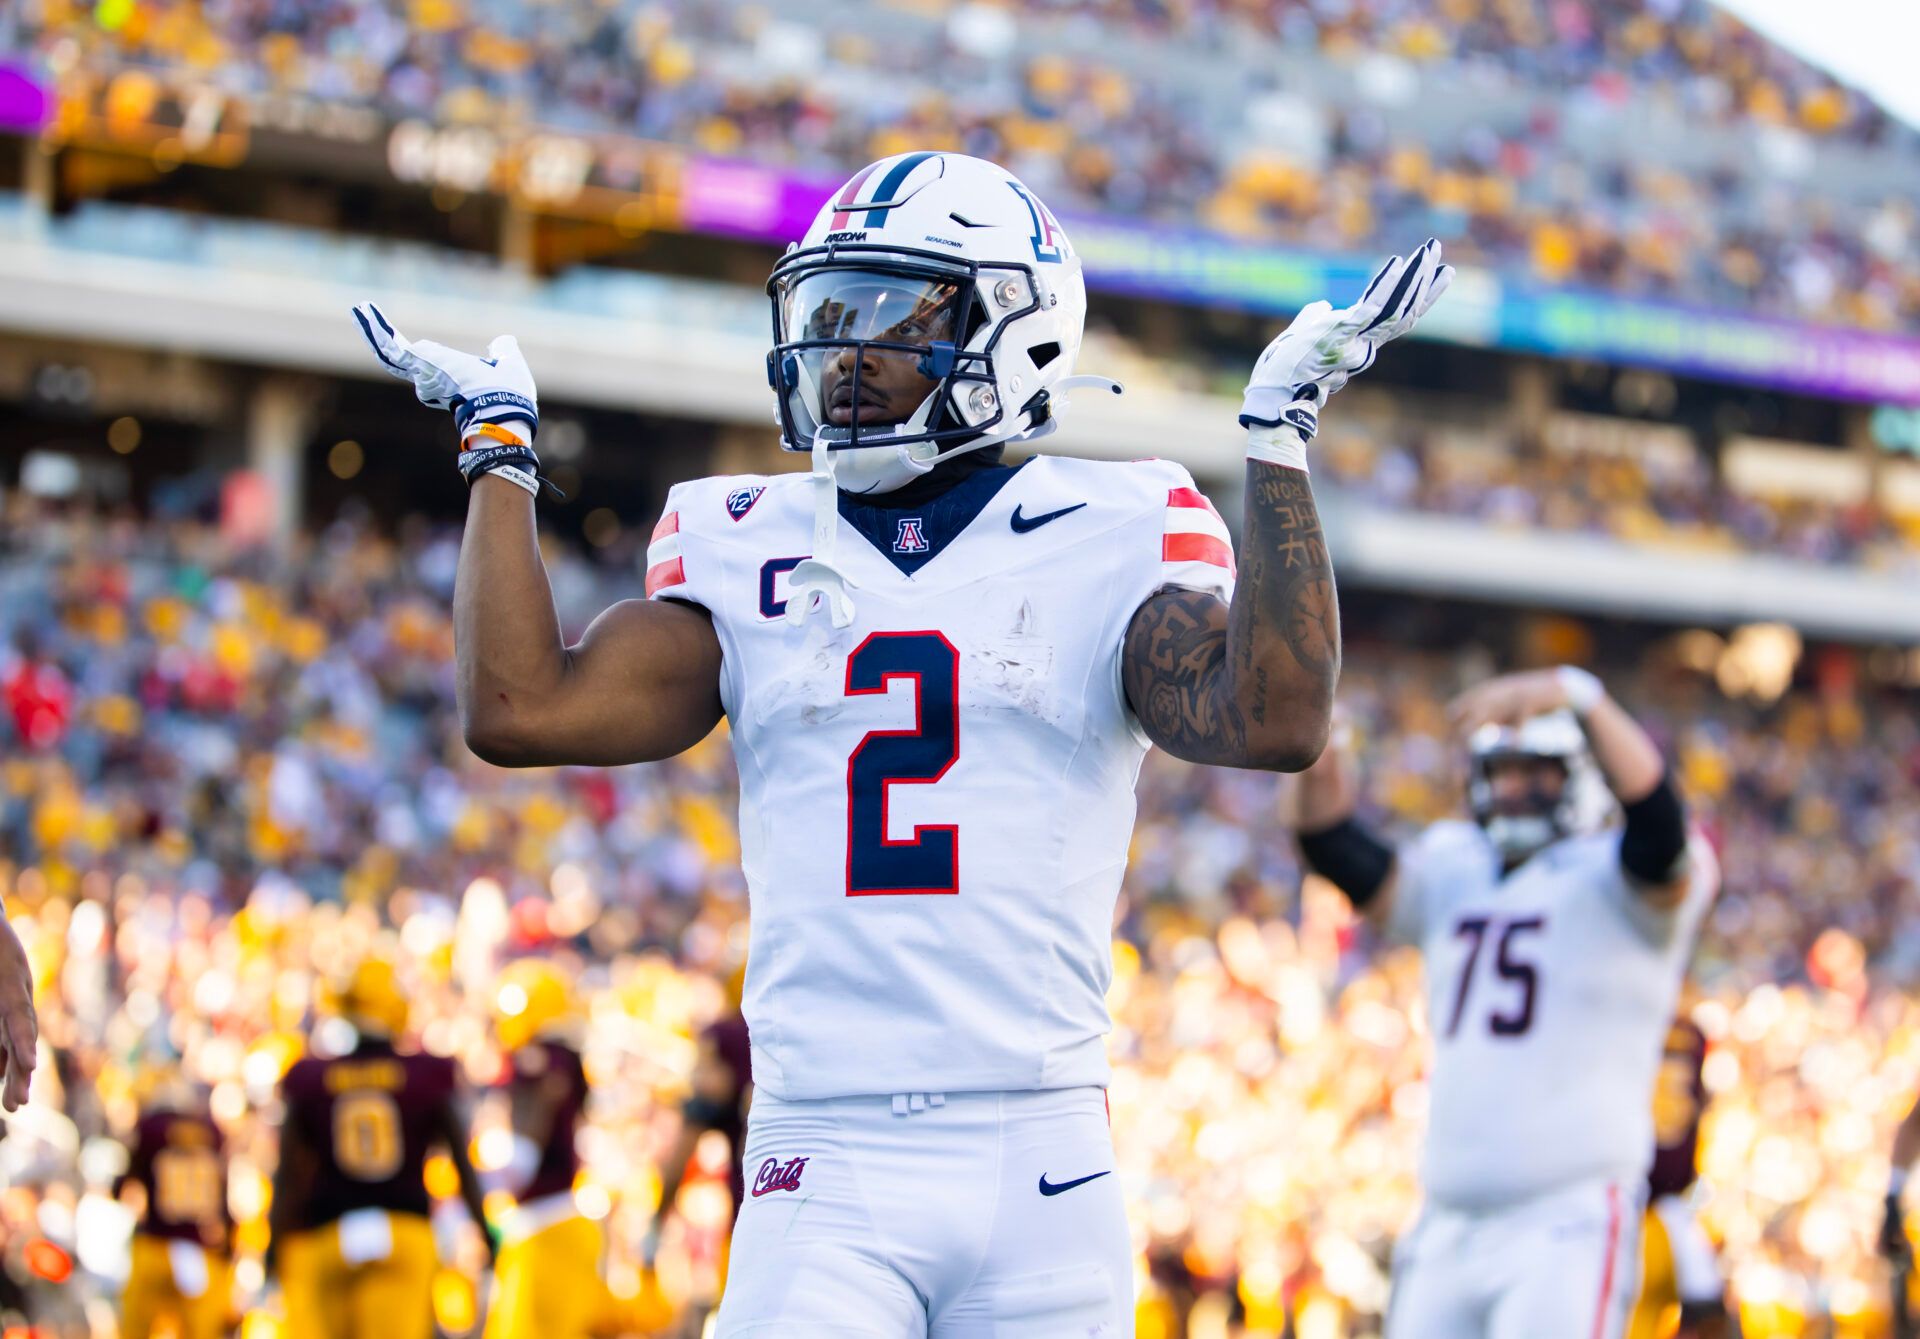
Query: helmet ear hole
1042,354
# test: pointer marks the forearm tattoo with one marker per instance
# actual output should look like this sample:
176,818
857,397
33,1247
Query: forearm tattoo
1283,533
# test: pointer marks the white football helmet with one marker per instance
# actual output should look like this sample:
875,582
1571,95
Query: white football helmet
946,259
1581,806
942,259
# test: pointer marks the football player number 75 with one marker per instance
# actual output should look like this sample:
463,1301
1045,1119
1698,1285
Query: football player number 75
1512,1016
929,860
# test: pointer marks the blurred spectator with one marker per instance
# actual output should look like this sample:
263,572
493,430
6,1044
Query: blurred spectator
1636,499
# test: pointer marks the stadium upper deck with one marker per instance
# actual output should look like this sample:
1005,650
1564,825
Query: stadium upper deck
1654,147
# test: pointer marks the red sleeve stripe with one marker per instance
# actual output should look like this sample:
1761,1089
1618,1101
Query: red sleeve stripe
1189,497
1197,548
661,575
669,525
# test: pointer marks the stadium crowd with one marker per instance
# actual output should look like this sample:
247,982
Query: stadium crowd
1213,133
228,775
1634,499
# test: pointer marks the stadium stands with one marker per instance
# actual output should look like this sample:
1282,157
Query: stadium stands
1338,126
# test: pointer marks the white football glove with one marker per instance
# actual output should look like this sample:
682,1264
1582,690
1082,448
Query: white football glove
1324,348
495,389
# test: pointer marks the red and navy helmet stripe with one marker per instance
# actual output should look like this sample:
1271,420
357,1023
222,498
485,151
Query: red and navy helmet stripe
850,196
849,201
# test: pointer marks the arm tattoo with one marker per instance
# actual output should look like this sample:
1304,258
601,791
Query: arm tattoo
1249,685
1283,521
1171,671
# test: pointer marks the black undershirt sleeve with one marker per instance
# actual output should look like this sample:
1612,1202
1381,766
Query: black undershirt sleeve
1655,839
1350,857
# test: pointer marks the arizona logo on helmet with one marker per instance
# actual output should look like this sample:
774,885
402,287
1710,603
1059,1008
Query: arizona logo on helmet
1049,240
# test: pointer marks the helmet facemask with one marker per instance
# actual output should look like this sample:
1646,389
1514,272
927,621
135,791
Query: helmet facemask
890,358
1520,825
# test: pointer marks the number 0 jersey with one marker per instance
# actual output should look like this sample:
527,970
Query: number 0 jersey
936,802
1549,992
370,1117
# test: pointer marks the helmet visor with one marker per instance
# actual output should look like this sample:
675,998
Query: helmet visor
864,353
867,305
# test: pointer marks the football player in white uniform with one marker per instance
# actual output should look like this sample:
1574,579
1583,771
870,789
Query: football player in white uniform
941,673
1555,947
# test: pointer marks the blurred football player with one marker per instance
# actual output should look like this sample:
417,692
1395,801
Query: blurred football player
547,1282
1896,1239
722,1091
1679,1269
941,673
1554,950
180,1269
350,1226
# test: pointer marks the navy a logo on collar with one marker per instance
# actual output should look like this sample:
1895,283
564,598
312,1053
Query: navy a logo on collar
740,501
911,536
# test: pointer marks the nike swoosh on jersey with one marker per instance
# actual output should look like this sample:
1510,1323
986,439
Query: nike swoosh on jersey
1058,1187
1022,524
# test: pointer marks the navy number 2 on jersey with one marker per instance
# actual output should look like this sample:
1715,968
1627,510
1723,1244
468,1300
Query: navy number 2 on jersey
928,861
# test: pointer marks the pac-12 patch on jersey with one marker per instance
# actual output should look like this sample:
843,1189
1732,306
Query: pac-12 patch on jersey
740,501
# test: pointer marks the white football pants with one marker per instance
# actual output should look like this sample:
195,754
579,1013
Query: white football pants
1565,1265
969,1216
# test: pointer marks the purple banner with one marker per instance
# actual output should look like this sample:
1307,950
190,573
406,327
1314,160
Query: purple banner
25,105
770,205
746,200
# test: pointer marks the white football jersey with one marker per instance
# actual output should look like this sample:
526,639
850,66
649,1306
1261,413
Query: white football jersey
936,802
1549,993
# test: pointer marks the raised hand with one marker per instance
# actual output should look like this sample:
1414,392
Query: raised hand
1323,349
495,389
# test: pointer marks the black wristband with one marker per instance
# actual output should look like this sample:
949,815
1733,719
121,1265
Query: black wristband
478,460
481,460
1655,837
1351,858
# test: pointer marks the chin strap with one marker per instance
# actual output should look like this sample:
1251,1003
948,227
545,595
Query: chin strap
1089,379
816,575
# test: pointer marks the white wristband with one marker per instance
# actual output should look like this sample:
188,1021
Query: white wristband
1278,446
1896,1183
514,475
1583,690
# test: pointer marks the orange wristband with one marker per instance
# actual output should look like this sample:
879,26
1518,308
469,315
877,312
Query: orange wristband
493,431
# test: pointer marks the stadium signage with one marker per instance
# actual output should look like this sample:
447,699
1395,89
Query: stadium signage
24,104
135,111
638,185
1484,308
